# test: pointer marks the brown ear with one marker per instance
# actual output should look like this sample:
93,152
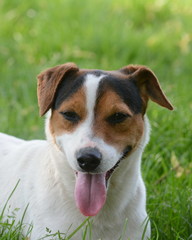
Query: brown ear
148,84
48,82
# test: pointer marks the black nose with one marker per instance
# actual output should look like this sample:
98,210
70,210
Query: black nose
89,159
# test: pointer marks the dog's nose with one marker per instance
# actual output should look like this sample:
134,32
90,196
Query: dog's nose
89,159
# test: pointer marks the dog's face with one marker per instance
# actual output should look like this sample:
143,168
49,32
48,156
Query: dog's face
97,120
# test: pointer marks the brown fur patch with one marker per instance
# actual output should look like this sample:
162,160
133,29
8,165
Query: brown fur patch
76,103
120,135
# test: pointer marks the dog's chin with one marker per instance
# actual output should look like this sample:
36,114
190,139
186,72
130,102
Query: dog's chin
91,190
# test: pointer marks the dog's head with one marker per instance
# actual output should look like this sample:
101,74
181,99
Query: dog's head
97,120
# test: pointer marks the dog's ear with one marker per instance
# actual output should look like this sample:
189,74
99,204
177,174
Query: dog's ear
148,84
48,82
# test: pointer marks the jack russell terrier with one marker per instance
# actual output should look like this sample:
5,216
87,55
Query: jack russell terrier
89,165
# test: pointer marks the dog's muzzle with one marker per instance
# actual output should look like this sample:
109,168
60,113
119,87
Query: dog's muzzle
88,159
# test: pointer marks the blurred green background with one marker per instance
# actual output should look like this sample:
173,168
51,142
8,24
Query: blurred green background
109,34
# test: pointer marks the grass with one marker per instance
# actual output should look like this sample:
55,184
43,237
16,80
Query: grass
109,34
9,228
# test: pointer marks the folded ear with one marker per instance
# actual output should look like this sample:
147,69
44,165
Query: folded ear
48,82
148,84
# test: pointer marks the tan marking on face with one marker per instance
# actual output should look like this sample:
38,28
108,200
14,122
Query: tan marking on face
120,135
76,103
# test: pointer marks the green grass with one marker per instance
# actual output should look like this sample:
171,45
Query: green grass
9,228
109,34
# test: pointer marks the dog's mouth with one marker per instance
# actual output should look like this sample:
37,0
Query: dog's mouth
110,172
91,190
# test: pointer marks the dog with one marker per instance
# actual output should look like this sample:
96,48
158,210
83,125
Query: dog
89,165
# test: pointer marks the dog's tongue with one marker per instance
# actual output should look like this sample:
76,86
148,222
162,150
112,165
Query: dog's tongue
90,193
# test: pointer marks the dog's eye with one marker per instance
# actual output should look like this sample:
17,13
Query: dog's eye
71,116
117,118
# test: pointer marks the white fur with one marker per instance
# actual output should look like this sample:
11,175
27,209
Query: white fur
47,182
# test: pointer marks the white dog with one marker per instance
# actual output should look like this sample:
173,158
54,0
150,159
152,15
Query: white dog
90,163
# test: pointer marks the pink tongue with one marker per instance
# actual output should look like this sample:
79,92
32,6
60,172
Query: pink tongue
90,193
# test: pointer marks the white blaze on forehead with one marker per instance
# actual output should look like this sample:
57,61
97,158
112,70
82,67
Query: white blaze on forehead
91,86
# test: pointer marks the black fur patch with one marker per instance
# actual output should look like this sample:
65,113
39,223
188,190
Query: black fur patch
67,88
125,88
